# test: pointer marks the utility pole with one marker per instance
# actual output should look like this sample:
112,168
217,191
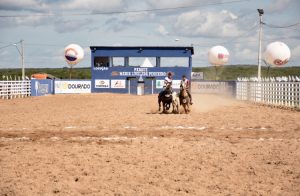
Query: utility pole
260,12
22,59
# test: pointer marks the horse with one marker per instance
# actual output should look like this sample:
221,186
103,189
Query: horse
166,98
184,99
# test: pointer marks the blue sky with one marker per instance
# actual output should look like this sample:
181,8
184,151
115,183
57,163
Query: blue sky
48,26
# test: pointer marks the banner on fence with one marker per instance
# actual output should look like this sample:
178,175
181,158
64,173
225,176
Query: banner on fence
196,76
102,83
72,86
175,84
118,83
41,87
213,87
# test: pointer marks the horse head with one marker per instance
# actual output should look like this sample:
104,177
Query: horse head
168,90
183,91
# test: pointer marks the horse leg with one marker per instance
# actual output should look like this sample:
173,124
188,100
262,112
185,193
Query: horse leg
173,107
185,108
164,107
167,106
159,103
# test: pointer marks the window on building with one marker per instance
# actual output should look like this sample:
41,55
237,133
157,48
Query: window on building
142,61
174,62
101,61
117,61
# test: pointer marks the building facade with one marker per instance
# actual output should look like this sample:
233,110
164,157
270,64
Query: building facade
124,69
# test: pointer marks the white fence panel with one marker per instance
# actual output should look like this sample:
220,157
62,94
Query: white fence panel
15,89
269,91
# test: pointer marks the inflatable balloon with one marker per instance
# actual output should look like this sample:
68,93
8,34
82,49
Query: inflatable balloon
218,55
277,53
73,54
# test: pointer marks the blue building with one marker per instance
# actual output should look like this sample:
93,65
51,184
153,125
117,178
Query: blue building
122,69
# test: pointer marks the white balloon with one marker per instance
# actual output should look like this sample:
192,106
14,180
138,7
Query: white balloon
73,54
218,55
277,53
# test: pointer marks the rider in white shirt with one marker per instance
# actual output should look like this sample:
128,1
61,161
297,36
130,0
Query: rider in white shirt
168,81
185,83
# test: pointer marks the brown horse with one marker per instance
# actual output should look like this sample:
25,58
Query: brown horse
184,99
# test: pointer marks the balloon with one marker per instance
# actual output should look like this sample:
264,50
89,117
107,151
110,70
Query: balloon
277,53
218,55
73,54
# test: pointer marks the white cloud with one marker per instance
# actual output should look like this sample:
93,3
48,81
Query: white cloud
68,26
246,54
278,5
56,5
95,5
177,3
119,23
32,5
207,23
162,30
26,21
296,52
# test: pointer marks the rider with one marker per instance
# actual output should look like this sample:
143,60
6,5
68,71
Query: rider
168,81
185,83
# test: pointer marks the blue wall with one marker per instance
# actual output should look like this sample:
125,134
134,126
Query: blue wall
128,76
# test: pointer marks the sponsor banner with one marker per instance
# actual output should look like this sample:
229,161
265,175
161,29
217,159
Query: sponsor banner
212,87
139,71
101,68
175,84
41,87
197,76
159,83
118,83
101,83
70,87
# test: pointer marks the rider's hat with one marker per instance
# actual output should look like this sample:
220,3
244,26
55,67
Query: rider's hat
169,74
183,76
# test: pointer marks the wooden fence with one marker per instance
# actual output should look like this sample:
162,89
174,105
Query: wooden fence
271,91
11,89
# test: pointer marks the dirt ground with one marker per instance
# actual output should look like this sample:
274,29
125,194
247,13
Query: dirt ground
110,144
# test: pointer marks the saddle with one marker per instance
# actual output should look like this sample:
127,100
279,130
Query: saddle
166,95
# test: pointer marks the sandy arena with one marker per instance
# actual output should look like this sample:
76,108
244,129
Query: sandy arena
109,144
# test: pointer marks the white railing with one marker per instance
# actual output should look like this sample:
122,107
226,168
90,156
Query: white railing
279,91
11,89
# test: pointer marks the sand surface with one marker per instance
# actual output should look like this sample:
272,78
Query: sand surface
110,144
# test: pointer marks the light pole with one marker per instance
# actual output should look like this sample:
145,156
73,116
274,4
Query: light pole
22,57
260,12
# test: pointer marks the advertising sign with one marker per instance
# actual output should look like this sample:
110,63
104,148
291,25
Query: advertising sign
197,76
101,83
118,83
159,83
41,87
72,87
214,87
175,84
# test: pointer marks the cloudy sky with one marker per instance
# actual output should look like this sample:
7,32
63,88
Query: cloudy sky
47,26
